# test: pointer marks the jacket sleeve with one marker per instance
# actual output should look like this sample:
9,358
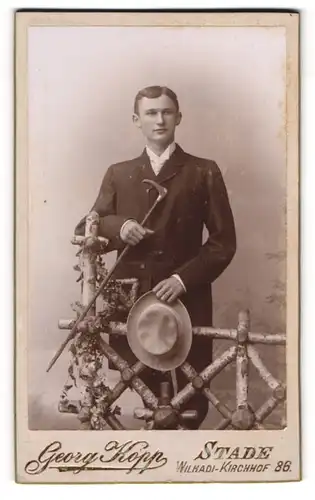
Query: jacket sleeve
219,249
105,206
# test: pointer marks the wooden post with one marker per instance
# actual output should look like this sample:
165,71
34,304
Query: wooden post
88,263
242,360
243,417
88,268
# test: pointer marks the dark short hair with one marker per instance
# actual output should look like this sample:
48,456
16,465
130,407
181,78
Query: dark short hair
153,92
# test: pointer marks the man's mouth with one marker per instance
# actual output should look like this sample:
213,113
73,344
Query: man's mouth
160,130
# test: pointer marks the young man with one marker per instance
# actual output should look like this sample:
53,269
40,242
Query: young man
167,256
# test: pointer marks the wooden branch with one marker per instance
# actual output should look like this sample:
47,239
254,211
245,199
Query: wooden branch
223,424
188,370
112,356
212,370
225,412
266,409
242,377
114,423
143,413
183,396
242,361
267,338
79,240
66,324
214,333
206,375
88,264
119,328
261,368
145,393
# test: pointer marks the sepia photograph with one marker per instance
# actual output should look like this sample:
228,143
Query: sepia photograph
157,177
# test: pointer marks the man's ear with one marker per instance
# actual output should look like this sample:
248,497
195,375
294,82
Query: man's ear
179,118
136,120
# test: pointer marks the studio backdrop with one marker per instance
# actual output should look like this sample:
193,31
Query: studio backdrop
82,81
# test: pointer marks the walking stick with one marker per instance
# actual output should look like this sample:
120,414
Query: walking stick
162,191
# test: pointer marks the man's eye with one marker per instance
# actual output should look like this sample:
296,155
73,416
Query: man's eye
151,112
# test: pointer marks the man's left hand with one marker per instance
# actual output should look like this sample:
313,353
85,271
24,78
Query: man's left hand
169,290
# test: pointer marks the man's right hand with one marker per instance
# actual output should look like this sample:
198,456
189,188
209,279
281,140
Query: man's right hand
132,232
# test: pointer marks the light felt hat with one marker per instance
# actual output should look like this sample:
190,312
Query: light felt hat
159,334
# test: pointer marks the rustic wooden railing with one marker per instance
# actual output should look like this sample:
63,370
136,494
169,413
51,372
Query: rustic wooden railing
86,370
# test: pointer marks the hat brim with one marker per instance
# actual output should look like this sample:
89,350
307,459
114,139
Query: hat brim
177,355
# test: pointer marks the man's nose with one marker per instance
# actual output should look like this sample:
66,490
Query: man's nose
160,118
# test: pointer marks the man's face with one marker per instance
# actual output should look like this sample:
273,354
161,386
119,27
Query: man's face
157,118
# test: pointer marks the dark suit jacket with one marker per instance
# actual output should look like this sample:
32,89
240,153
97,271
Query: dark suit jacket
196,197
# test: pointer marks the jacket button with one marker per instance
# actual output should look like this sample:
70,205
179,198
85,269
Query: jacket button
142,266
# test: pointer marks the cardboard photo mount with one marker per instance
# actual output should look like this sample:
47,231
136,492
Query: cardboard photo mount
256,454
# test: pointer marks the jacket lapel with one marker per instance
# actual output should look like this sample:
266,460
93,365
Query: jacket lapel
170,169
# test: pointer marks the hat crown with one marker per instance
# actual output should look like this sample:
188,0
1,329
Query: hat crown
159,334
157,329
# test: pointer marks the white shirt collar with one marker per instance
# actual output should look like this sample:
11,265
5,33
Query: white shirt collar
154,158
